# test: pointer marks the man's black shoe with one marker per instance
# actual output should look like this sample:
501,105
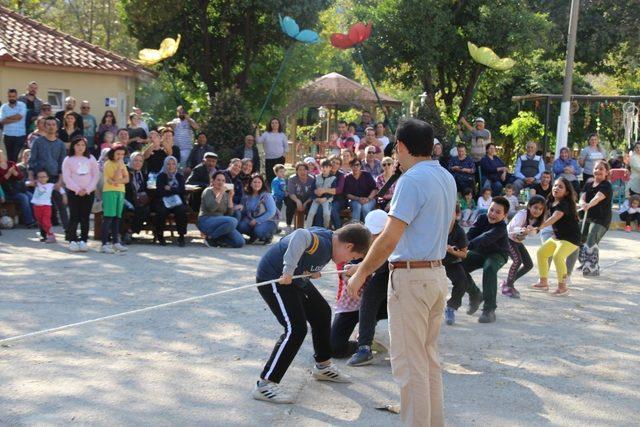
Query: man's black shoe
474,304
487,316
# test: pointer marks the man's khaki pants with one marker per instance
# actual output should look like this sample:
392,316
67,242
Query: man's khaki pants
416,300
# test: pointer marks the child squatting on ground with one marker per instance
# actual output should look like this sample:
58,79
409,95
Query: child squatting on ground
295,302
488,249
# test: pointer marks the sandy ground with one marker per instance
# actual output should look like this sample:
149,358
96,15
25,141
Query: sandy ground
547,361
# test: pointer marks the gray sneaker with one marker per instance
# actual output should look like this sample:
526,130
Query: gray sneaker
270,392
362,357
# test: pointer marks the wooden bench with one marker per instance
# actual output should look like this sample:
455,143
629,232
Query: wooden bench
127,216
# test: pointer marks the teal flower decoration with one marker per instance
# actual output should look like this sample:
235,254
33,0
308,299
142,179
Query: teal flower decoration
291,28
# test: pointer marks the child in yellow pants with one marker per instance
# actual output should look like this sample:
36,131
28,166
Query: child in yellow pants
563,218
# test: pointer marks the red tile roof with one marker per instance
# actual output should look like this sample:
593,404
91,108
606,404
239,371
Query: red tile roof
26,41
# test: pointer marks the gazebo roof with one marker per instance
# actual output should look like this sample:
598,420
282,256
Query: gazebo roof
333,90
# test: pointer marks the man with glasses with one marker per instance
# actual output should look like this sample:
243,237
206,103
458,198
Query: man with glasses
414,241
370,163
90,124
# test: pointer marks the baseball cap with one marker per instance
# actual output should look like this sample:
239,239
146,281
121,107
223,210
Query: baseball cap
210,154
309,160
375,221
479,119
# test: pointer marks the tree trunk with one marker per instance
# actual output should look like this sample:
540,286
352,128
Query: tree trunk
429,111
470,90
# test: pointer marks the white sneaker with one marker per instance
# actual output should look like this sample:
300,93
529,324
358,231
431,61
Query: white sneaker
108,249
74,247
329,373
83,246
270,392
120,247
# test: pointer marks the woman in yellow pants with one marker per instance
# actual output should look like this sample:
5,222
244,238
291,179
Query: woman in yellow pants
563,218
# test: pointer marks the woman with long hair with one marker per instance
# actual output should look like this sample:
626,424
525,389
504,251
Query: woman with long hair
275,146
259,214
107,124
69,129
596,203
80,174
388,170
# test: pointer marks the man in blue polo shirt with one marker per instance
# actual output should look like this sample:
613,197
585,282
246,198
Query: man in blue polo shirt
415,241
13,116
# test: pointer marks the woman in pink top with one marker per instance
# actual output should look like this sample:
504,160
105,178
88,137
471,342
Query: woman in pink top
80,174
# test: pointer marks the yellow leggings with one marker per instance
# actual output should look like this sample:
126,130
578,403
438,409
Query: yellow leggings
559,250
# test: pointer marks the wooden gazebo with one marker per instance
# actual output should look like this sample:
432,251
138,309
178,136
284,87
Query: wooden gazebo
333,91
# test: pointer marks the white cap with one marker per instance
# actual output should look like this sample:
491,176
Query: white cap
309,160
375,221
479,119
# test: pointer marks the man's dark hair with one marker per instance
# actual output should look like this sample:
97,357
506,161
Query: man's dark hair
502,201
417,136
356,234
325,162
461,145
353,124
546,173
46,119
486,148
41,171
122,129
12,90
354,162
342,122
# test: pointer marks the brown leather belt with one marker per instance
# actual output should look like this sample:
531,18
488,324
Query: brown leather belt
414,264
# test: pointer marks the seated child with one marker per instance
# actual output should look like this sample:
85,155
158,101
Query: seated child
456,252
488,249
468,211
630,211
296,302
324,180
509,189
484,201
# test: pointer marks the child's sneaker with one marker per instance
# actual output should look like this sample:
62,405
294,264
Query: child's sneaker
329,373
119,247
74,247
362,357
270,392
449,316
514,293
107,249
506,290
51,238
83,246
627,228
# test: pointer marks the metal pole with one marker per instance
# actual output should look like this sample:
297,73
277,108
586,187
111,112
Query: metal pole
546,126
563,119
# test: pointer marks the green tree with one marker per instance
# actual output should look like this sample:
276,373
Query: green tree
422,43
524,128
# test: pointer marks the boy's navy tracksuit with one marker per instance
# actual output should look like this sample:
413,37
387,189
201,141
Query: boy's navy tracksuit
300,302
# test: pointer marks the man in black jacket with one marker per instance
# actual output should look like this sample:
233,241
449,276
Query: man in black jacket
488,249
201,176
248,150
200,148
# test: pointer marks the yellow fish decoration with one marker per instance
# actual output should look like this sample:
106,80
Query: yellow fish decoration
168,48
488,58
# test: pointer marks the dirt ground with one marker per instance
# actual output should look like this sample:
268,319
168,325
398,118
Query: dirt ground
547,361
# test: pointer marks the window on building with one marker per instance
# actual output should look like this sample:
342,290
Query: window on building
56,97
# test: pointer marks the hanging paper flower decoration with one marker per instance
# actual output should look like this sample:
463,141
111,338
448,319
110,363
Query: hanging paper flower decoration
358,33
488,58
290,27
168,48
